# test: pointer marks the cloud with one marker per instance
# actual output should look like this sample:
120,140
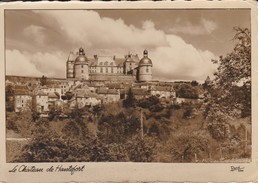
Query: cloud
35,33
35,64
88,29
204,27
181,61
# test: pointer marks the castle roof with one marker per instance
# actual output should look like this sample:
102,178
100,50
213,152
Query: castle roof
145,60
81,58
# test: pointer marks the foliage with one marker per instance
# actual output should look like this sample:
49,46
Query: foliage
219,131
130,100
148,102
118,128
9,98
189,148
141,149
194,83
230,91
228,95
67,96
43,80
187,91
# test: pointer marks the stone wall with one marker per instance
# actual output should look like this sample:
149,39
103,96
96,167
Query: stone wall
109,77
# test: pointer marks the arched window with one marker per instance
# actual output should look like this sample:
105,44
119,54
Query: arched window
106,63
111,63
100,63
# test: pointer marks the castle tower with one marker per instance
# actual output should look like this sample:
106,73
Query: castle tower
129,64
81,68
70,67
145,68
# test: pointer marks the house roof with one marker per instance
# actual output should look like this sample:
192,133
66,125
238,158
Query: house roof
139,91
107,91
85,94
41,93
114,85
52,95
102,90
113,91
21,87
21,92
162,88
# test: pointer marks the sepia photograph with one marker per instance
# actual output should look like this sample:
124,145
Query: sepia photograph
128,85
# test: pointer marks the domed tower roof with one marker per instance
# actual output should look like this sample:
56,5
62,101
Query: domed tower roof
145,60
81,57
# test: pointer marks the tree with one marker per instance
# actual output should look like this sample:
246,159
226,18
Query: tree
130,99
69,95
43,80
9,98
194,83
187,91
189,147
230,91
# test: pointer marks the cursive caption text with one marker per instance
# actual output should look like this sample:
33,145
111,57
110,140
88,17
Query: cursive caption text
58,168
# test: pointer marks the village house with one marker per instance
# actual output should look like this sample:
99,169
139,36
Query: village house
163,91
140,93
22,98
84,98
51,89
42,102
108,95
52,97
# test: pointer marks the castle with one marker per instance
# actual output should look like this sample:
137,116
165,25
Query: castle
107,68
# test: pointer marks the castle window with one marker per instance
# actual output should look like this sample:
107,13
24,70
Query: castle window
82,71
106,63
147,69
101,70
100,63
112,70
106,69
82,66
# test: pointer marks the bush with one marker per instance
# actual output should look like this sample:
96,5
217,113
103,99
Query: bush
189,148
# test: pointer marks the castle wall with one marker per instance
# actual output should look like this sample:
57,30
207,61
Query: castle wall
110,77
106,69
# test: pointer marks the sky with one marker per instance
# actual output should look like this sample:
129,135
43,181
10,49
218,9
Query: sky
181,43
